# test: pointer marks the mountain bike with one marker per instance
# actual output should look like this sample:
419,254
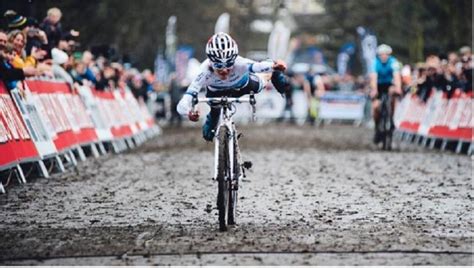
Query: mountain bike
228,165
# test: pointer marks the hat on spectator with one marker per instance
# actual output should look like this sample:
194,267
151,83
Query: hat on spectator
59,56
15,21
465,50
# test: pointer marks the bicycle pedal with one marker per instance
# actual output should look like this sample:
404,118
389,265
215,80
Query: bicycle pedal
247,165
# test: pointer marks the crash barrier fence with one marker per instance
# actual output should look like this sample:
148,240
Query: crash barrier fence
47,122
440,121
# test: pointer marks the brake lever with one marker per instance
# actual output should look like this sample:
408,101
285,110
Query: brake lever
194,101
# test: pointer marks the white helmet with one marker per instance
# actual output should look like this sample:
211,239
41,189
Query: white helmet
221,48
384,49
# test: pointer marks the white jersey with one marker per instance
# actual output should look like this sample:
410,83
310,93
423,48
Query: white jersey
238,77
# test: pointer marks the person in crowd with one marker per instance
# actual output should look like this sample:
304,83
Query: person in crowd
18,39
298,82
138,87
35,37
176,90
8,73
51,25
60,58
87,61
466,69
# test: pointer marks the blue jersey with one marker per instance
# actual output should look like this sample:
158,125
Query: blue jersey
385,70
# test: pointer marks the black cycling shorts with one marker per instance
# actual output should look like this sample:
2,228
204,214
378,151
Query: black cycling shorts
382,88
252,85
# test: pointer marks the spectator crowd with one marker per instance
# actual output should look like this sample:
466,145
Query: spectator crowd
447,73
29,48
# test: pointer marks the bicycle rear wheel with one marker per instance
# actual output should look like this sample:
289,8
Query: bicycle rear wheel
222,177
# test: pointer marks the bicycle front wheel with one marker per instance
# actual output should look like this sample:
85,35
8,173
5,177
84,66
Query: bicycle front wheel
222,177
387,123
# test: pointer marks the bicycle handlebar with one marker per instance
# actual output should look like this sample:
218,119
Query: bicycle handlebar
226,100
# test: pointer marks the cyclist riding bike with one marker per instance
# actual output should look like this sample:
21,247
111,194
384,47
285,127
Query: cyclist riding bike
384,78
225,73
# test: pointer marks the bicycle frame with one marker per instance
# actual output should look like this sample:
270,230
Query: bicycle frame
225,119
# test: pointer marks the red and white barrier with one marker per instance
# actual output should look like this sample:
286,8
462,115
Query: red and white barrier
438,118
50,120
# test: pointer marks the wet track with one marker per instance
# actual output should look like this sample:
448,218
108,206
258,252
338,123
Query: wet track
319,196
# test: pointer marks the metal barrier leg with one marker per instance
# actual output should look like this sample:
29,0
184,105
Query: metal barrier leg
73,157
459,147
115,147
130,143
417,139
137,140
60,163
94,150
443,145
402,136
2,190
424,141
432,143
406,137
43,169
102,148
123,144
471,148
20,175
81,153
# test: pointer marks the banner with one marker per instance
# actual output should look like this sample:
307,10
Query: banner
278,41
64,114
183,54
222,23
347,106
344,58
368,44
171,40
16,144
114,115
439,117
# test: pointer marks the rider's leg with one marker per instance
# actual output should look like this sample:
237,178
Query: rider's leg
280,81
376,117
208,129
394,95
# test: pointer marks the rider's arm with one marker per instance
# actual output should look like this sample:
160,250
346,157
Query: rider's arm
266,66
373,79
186,103
397,78
373,84
397,82
261,67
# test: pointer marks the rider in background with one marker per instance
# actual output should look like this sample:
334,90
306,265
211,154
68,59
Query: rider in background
225,73
384,77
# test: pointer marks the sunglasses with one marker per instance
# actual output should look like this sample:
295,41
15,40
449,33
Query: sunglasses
222,65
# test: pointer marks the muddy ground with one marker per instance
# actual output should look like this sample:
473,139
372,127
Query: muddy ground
319,196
